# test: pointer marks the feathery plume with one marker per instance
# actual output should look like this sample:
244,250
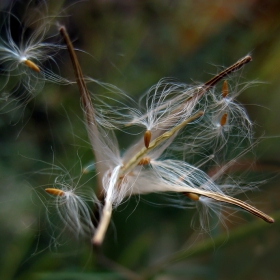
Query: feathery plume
199,121
28,60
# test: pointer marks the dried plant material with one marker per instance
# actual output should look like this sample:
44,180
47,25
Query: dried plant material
225,89
236,66
187,129
32,65
103,225
234,201
27,51
55,192
156,142
192,196
223,119
147,138
144,161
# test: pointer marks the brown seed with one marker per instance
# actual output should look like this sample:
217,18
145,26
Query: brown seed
56,192
144,161
32,65
223,119
192,196
225,89
147,138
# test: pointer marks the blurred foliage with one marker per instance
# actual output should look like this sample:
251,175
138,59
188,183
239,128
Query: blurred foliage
132,45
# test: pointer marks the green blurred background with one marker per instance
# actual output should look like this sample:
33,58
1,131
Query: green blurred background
132,45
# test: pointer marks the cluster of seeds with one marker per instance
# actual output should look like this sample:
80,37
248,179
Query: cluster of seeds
185,130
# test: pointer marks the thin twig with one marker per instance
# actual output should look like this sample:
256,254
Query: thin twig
85,96
236,66
209,84
234,201
87,105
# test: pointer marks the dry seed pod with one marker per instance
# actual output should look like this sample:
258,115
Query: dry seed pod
147,138
225,89
56,192
32,65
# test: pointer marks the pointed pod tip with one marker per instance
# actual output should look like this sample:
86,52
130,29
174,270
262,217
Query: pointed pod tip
271,220
248,58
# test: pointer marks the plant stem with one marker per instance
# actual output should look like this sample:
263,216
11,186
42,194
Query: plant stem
103,224
89,112
234,201
236,66
140,154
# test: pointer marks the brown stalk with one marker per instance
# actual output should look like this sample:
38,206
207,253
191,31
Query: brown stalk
236,66
234,201
89,112
205,87
85,96
212,82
